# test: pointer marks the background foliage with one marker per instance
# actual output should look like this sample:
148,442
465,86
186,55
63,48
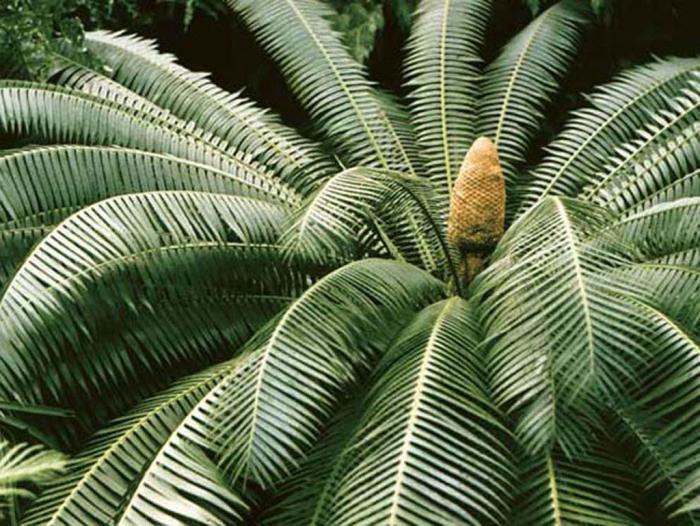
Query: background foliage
375,30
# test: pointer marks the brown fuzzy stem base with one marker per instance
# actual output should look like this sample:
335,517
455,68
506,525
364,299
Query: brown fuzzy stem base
471,264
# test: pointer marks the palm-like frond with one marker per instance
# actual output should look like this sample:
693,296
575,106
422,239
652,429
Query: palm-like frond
138,65
556,340
442,67
660,154
519,82
63,179
105,257
330,84
108,482
428,406
53,114
22,464
80,78
162,226
399,210
270,417
662,230
685,186
662,419
597,489
615,113
306,492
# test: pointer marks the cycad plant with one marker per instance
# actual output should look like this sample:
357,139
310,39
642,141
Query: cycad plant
249,326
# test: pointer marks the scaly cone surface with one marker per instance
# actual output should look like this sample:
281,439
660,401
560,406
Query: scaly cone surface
477,207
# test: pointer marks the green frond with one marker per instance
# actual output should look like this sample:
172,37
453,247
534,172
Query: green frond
685,186
662,417
305,493
615,113
52,114
443,70
521,80
659,170
597,490
330,84
428,408
660,153
63,179
671,286
111,480
560,330
80,78
113,258
661,230
270,417
25,464
400,206
137,64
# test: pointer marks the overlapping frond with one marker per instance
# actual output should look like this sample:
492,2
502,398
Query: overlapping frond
23,464
519,83
430,448
330,84
41,186
615,113
108,482
53,114
662,418
561,332
443,69
137,64
397,209
270,417
685,186
164,225
306,492
88,81
661,230
115,258
597,489
662,152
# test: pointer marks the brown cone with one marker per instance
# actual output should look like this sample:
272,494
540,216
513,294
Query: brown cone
477,206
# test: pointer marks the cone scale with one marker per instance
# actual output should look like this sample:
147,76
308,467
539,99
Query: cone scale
476,219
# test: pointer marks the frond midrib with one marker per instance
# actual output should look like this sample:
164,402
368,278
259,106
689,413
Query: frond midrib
419,386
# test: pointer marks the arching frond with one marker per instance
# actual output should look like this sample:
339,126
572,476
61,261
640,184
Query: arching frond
88,81
661,230
330,84
673,286
402,206
137,64
442,68
663,417
615,113
686,186
106,258
275,412
554,491
519,82
107,482
428,408
560,331
23,464
659,151
306,492
62,179
52,114
661,169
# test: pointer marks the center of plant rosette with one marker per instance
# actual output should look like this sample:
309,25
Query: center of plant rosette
477,207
